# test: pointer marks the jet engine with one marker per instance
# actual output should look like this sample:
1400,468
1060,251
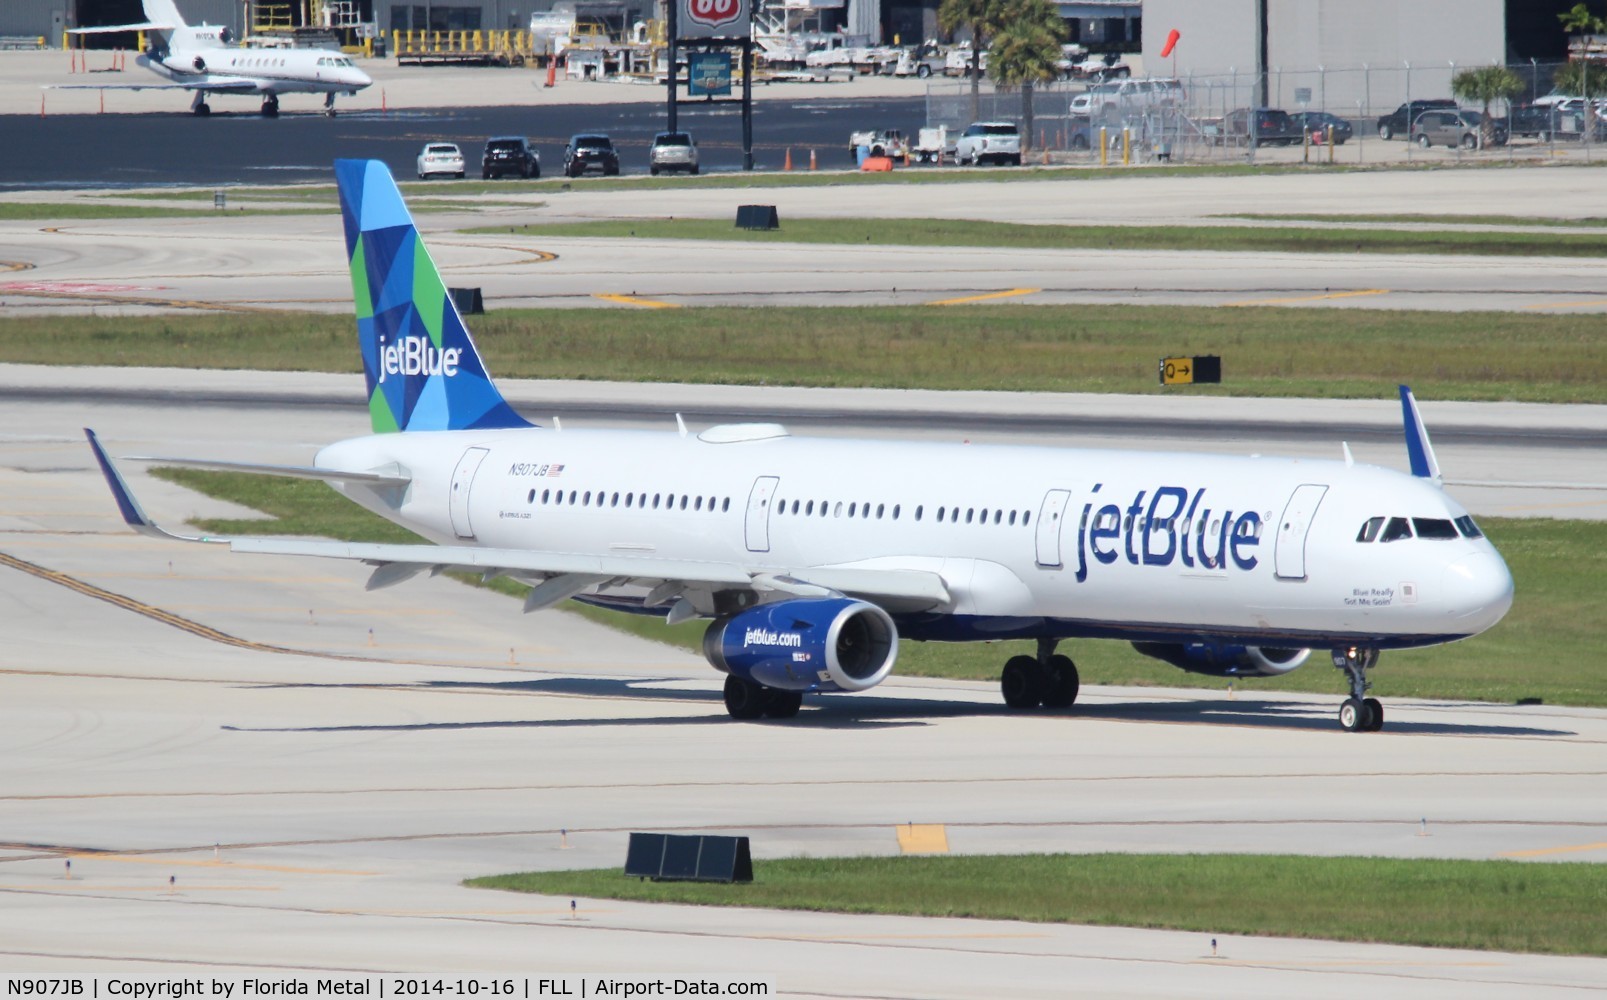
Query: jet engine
826,644
1225,660
199,64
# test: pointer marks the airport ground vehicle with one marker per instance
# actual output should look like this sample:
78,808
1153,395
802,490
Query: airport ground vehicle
1399,121
1453,127
590,151
982,142
672,151
933,145
880,142
440,159
509,154
1260,127
1317,123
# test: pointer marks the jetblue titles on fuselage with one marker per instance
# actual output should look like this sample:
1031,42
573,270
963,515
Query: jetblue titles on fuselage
1172,526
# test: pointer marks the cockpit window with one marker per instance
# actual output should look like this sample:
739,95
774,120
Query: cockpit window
1434,527
1369,531
1397,529
1468,528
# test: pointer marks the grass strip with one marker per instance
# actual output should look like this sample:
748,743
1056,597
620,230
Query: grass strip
1485,905
1548,647
1266,351
974,233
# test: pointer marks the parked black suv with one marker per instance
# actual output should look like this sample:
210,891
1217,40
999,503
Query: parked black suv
1261,127
509,154
590,152
1398,123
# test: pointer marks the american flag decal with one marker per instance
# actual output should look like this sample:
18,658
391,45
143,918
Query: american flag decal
556,470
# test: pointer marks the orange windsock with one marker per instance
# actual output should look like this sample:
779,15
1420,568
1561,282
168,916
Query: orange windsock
1171,40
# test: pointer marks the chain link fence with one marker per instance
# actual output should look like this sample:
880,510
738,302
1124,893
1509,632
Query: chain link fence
1203,117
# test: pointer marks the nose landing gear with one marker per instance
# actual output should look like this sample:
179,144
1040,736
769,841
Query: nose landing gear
1359,713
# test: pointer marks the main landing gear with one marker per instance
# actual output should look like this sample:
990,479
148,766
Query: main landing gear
270,106
747,700
199,106
1049,679
1359,713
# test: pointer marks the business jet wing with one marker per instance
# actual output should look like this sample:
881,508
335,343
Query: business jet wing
563,575
214,85
106,29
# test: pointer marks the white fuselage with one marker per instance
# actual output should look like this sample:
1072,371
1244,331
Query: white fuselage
191,61
1143,546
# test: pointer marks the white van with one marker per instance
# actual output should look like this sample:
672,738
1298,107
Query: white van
1117,99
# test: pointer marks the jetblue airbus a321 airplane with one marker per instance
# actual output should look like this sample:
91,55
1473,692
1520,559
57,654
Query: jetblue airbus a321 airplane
814,557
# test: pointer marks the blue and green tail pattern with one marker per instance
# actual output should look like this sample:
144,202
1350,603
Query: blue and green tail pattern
423,371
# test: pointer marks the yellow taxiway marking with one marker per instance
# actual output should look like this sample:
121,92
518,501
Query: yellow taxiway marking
1539,852
1007,294
1310,298
15,265
137,859
1566,305
635,300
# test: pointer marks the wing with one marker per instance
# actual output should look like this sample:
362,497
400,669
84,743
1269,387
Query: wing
554,576
214,85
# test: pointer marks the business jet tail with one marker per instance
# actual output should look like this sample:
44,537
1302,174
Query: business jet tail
421,365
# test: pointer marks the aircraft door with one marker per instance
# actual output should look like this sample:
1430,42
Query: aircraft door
758,524
1289,557
462,483
1050,518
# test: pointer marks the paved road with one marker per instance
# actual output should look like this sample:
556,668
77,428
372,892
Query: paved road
353,755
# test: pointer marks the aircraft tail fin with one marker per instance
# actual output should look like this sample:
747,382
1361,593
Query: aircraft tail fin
164,13
1419,452
421,366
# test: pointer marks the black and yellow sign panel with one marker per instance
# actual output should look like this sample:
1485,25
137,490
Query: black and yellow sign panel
1191,371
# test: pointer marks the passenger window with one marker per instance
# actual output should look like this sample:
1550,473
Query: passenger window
532,497
1397,529
851,509
895,511
546,495
1369,530
838,511
1026,516
586,502
809,508
572,496
918,511
968,512
1084,518
614,502
725,505
998,516
683,501
1468,528
940,515
879,509
1434,527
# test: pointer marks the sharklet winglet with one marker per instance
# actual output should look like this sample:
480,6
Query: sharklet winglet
1419,452
133,514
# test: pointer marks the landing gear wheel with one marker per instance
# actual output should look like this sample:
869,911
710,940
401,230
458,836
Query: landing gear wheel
744,699
203,109
270,108
784,705
1060,683
1020,683
1375,714
1352,715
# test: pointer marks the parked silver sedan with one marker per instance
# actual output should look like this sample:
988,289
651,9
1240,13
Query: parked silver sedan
440,159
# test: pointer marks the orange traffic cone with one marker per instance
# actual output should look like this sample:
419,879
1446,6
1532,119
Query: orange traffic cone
552,71
788,164
811,152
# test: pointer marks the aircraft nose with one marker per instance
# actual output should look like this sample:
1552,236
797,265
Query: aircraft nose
1478,590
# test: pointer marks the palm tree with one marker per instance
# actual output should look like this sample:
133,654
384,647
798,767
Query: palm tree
1025,51
1575,77
981,17
1486,84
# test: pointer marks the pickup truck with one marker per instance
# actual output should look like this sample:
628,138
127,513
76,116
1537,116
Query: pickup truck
880,142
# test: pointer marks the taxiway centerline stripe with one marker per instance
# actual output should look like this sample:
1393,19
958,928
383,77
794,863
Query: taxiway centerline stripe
1542,851
1006,294
1310,298
633,300
1566,305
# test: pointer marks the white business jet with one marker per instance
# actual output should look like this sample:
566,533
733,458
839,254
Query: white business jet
200,59
815,557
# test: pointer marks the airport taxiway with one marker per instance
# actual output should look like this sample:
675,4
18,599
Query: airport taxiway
316,767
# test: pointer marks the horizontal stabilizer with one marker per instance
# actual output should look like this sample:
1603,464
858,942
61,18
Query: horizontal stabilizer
106,29
288,471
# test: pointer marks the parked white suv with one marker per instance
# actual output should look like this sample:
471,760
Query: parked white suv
984,141
673,151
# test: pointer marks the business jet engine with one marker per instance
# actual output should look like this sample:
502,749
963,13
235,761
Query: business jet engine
1225,660
825,644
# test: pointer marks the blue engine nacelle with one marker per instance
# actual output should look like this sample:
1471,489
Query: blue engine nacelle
1225,660
832,644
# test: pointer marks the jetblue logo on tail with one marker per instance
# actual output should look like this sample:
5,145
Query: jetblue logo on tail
414,355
